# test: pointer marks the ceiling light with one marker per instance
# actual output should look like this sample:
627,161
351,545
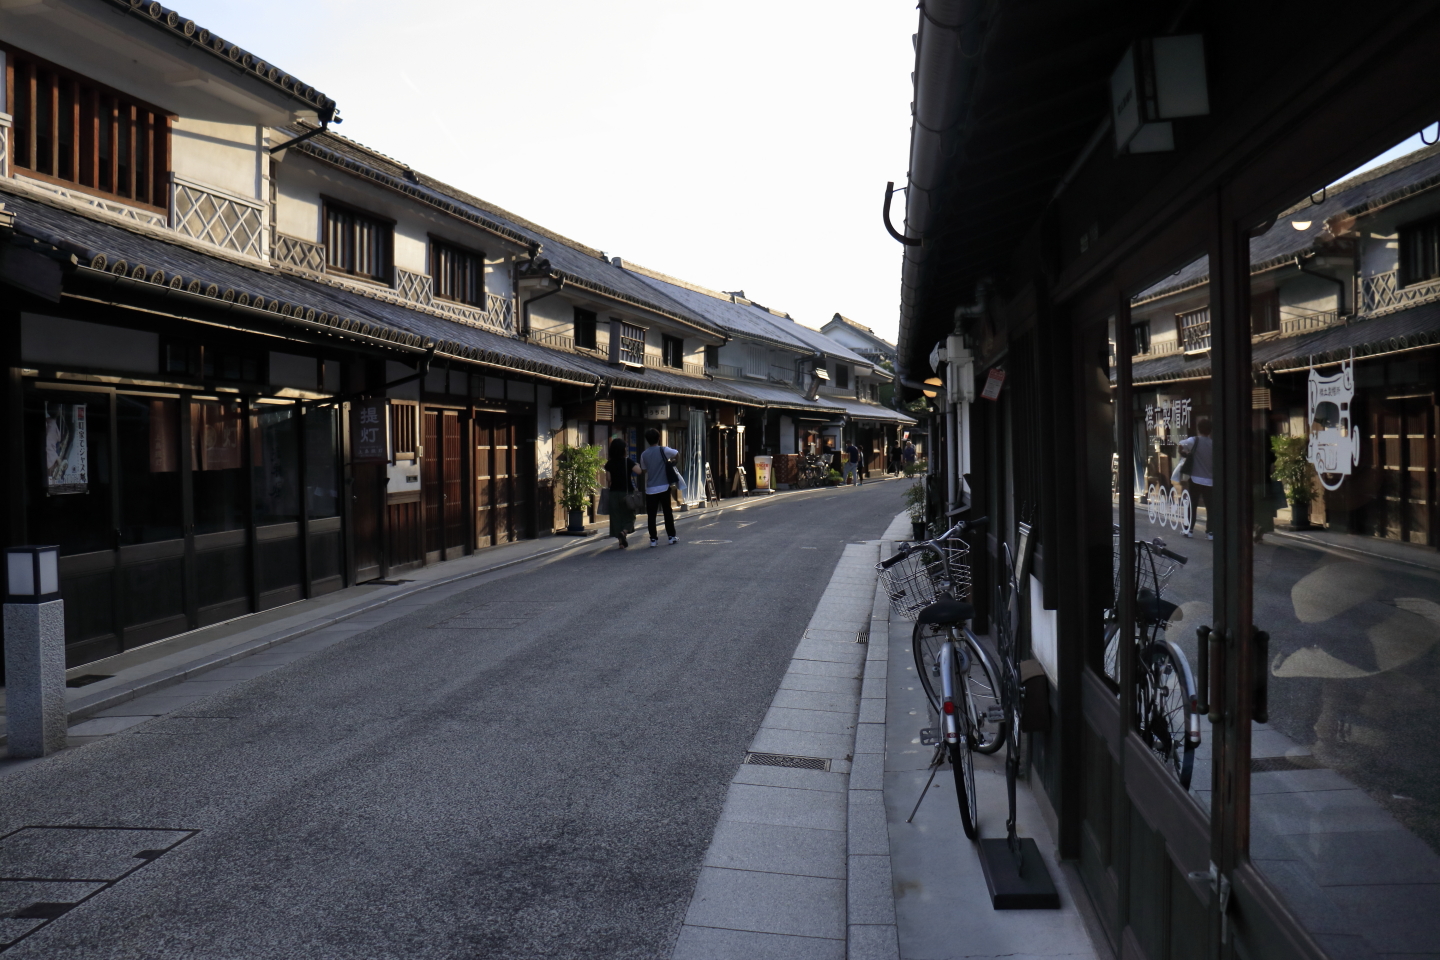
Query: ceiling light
1301,224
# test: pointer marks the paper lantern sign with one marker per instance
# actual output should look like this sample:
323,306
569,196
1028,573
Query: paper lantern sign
370,432
993,382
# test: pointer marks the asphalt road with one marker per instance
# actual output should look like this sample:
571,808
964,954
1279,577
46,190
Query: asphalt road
531,767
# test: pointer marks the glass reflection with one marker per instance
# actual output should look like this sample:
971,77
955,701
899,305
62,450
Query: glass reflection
1345,776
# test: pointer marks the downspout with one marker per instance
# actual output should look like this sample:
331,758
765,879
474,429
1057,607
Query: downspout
1339,294
525,307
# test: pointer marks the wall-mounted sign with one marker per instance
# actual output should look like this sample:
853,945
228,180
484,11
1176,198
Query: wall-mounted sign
370,431
1333,449
67,449
657,410
994,380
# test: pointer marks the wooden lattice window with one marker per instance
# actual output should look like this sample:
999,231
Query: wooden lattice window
1194,329
459,274
70,130
630,342
357,243
405,429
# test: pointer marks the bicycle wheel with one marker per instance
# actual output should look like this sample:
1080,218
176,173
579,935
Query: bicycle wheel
982,687
962,758
1168,722
925,643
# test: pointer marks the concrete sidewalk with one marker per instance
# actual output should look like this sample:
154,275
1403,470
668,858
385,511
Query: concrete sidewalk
819,864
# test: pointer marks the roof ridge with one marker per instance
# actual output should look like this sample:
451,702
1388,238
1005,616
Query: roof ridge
1375,173
633,267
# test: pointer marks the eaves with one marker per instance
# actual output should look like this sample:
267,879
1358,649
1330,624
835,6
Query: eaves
599,289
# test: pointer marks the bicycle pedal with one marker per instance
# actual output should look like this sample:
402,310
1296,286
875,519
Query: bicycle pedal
929,737
995,714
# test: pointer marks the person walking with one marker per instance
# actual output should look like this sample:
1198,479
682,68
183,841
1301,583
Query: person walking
908,454
852,464
1200,450
622,470
653,461
894,459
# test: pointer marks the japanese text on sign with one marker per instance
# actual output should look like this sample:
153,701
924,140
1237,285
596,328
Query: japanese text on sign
370,432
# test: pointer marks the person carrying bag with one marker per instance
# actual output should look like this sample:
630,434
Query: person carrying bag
655,462
625,497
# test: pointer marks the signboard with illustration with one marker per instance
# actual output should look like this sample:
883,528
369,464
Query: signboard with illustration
67,449
1334,449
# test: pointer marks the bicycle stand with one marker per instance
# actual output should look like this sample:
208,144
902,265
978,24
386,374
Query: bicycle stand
936,762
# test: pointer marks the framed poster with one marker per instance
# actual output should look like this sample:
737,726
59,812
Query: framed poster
67,449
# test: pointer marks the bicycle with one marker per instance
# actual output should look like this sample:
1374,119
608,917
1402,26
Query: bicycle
1166,697
811,473
928,582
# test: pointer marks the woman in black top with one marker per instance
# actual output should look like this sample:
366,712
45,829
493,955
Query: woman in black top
621,468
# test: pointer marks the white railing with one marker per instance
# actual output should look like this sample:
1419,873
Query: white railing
729,371
1195,329
1382,293
1158,348
1314,321
783,374
656,362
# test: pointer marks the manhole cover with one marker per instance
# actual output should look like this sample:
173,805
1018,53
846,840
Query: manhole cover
497,615
47,871
785,760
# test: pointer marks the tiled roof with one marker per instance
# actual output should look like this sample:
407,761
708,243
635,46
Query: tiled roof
1411,174
584,266
718,308
813,338
1418,326
342,309
860,410
176,25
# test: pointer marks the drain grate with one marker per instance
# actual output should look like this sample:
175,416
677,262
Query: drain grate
784,760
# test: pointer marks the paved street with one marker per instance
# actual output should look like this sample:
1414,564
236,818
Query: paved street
530,764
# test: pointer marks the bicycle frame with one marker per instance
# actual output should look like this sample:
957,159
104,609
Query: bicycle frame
950,710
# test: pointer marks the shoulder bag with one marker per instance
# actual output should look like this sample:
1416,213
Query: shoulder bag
635,499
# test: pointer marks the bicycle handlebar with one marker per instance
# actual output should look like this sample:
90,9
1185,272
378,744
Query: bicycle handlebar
960,527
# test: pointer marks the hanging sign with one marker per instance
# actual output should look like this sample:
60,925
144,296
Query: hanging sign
67,449
993,382
370,431
1333,449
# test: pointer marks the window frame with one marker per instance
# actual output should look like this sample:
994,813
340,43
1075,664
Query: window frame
440,244
387,230
672,351
587,322
1407,234
712,356
623,334
842,376
147,131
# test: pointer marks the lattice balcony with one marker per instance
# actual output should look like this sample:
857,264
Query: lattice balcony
656,362
1195,330
1382,293
231,223
1314,321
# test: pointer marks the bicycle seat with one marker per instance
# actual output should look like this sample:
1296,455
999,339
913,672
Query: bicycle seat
1155,610
947,612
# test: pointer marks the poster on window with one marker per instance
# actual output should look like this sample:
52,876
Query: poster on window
67,450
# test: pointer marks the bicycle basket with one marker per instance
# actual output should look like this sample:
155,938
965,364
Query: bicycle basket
1152,572
916,582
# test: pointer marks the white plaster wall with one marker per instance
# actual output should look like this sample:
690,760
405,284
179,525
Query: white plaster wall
1379,254
553,314
1304,295
412,245
497,278
224,155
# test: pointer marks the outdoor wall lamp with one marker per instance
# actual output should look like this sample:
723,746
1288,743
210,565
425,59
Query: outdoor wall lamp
32,574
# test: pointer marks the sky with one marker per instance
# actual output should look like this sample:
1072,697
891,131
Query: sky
742,145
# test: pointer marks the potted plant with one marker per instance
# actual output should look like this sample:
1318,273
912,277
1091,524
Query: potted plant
833,477
578,470
1293,471
915,506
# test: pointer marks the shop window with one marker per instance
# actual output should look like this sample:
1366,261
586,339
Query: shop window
217,463
1264,312
322,464
275,463
72,131
585,325
150,501
69,466
672,351
842,376
357,243
712,357
458,274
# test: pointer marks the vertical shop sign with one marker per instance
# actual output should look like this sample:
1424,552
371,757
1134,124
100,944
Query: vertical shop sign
1333,449
67,449
370,431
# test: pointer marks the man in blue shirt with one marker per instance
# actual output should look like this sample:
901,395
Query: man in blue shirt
657,484
852,463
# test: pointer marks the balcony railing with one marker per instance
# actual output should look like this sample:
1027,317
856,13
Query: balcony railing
1314,321
498,313
656,362
1195,330
1382,293
729,371
1158,348
783,374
